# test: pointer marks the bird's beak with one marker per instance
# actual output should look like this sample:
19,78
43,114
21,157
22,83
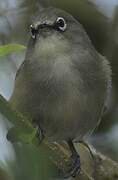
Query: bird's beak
34,29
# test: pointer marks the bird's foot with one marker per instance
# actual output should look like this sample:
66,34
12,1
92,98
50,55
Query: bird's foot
75,166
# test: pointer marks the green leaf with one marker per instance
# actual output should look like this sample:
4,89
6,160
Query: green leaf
10,48
24,130
19,134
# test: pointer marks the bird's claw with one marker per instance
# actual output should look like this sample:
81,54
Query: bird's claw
75,167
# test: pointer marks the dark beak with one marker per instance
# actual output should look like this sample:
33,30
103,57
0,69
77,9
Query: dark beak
35,29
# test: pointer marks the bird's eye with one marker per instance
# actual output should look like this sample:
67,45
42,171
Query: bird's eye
61,24
33,31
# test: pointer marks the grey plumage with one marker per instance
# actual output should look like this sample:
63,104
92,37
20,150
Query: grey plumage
63,82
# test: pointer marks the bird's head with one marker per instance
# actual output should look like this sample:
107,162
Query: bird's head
54,30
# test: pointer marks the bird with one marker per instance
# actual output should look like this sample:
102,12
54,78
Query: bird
63,82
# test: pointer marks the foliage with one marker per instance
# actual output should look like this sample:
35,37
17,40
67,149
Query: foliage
10,48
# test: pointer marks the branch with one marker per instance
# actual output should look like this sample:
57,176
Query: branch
97,167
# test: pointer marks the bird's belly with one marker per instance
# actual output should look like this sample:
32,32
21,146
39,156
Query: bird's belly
60,104
67,116
68,123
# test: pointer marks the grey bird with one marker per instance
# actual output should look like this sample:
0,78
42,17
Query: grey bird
63,82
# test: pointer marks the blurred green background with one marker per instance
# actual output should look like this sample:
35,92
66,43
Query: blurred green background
100,19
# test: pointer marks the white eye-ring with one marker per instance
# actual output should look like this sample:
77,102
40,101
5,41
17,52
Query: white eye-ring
61,24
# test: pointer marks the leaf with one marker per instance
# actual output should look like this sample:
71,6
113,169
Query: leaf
19,134
10,48
24,130
32,163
